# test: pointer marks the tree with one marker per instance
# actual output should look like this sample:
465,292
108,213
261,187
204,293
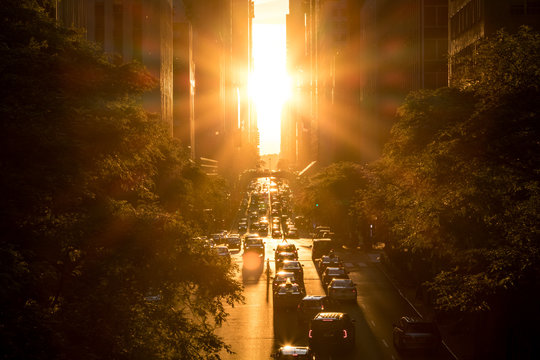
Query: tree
458,188
96,213
327,196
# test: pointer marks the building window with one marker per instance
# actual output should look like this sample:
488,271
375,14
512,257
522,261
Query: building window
99,34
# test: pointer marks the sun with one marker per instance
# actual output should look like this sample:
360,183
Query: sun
269,84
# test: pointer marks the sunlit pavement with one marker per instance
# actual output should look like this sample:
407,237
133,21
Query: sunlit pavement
254,331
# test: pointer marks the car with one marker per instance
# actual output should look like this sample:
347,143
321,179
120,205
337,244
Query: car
234,242
412,333
242,227
332,272
217,237
327,261
282,256
320,230
293,353
254,244
331,331
276,233
321,247
288,295
292,233
285,247
311,305
209,243
294,266
342,289
281,278
223,252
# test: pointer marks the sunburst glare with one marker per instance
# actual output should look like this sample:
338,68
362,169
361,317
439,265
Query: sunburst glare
269,84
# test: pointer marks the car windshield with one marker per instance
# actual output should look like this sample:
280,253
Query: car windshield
342,283
222,251
287,248
335,271
253,242
291,265
288,290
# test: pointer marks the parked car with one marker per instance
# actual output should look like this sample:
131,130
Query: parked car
311,305
293,353
411,333
288,295
333,273
342,289
331,331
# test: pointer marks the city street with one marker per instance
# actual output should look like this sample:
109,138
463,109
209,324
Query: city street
254,332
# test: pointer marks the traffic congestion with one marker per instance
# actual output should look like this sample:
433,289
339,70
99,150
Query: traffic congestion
298,283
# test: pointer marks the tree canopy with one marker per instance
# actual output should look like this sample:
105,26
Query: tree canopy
99,208
457,188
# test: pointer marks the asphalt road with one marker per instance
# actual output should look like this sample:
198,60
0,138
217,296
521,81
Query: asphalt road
254,330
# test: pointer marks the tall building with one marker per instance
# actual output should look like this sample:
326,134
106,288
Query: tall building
471,20
402,46
131,30
301,146
184,78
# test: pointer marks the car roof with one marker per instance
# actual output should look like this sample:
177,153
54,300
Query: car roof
334,268
294,350
284,273
329,316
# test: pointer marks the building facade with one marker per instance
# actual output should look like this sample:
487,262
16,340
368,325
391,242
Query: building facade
127,30
471,20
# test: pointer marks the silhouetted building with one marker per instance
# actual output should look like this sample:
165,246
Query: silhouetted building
402,46
131,30
184,79
471,20
302,146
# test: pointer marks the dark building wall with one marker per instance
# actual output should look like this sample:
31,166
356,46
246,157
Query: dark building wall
130,30
471,20
402,47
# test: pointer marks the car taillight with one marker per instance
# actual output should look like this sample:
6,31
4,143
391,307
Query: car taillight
310,334
345,334
353,290
322,307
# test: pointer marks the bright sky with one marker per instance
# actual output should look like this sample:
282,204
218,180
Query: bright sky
269,83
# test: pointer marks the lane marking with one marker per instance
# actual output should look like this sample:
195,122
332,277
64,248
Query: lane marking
349,265
385,343
362,264
373,323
